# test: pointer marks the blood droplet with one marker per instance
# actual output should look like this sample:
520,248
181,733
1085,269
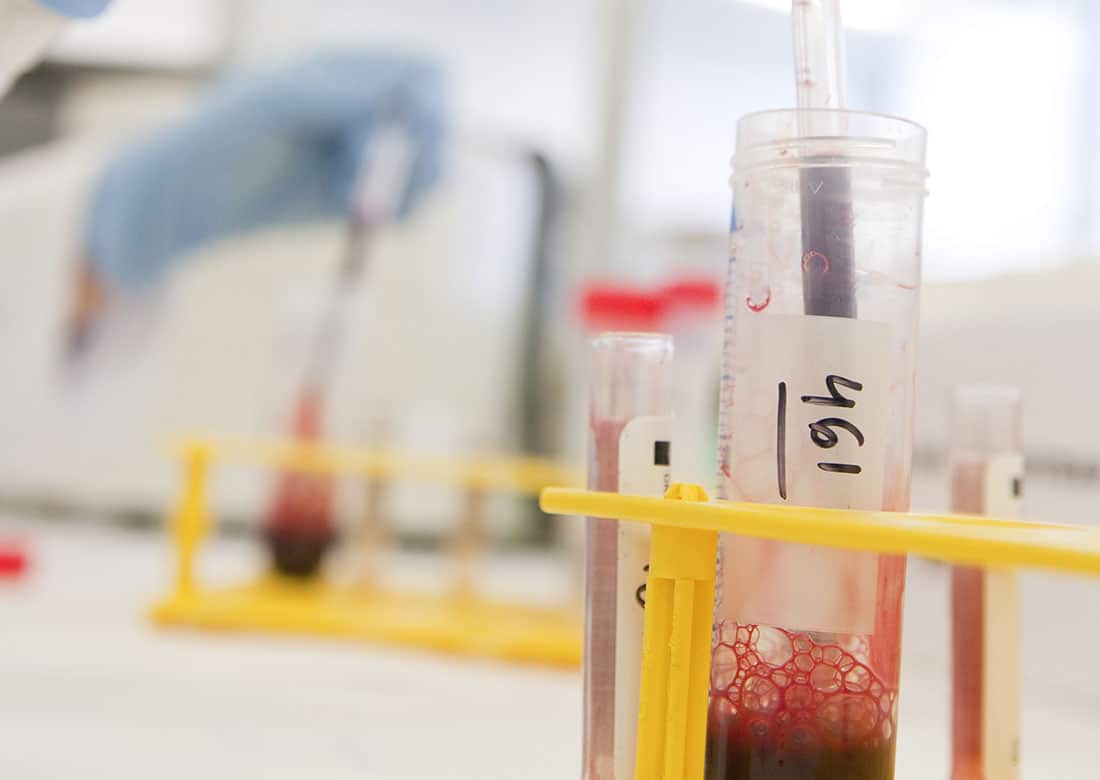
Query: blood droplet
759,307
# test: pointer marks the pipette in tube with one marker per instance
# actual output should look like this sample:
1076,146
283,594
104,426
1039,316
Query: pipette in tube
816,410
828,268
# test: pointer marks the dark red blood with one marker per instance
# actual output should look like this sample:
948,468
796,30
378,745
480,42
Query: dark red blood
13,562
787,705
300,528
743,760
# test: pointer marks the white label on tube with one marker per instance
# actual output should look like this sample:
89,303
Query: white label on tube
1002,494
1003,487
644,469
810,404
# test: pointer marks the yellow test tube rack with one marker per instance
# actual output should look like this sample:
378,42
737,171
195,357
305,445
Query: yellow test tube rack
680,588
460,621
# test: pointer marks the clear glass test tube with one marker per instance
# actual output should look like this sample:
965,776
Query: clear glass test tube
630,448
816,410
986,472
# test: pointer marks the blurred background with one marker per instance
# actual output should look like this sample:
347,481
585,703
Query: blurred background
613,123
586,143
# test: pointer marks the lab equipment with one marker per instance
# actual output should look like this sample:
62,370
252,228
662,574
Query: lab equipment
27,27
816,411
455,622
284,145
301,528
987,471
606,306
690,527
630,451
602,307
692,314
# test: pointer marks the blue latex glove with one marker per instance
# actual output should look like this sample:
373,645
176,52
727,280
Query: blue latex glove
77,9
281,146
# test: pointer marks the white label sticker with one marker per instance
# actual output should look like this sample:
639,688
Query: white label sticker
807,424
1003,487
1002,496
645,449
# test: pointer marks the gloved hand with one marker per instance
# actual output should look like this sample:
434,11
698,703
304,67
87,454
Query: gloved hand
280,146
77,9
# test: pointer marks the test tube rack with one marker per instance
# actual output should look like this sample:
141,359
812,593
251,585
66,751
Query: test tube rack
458,622
676,649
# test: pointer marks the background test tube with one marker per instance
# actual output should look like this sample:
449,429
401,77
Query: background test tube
986,467
630,427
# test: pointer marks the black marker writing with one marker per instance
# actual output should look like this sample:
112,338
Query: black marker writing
840,468
781,441
823,435
834,398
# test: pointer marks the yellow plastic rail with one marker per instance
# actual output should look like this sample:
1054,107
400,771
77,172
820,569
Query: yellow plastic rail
960,539
461,623
526,475
672,712
680,587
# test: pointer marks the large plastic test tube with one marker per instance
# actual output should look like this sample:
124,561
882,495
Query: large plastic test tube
816,410
630,427
986,465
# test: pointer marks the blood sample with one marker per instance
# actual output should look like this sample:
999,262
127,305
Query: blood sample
300,528
630,448
986,467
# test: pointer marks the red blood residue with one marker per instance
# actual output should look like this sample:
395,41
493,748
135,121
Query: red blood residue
812,255
796,705
967,636
758,307
300,529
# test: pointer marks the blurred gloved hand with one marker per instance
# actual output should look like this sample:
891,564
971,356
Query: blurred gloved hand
280,146
78,9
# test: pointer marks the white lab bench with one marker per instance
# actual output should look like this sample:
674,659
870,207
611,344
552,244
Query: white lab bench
87,688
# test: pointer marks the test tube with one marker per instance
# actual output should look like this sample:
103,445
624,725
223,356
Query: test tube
300,528
692,313
601,307
630,447
986,466
816,410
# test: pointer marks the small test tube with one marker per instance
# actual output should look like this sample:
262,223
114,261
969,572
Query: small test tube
986,468
630,429
692,313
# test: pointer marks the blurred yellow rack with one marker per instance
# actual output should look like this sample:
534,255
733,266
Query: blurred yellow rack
458,622
676,646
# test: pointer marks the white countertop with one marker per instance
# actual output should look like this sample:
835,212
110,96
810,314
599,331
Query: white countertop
88,689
